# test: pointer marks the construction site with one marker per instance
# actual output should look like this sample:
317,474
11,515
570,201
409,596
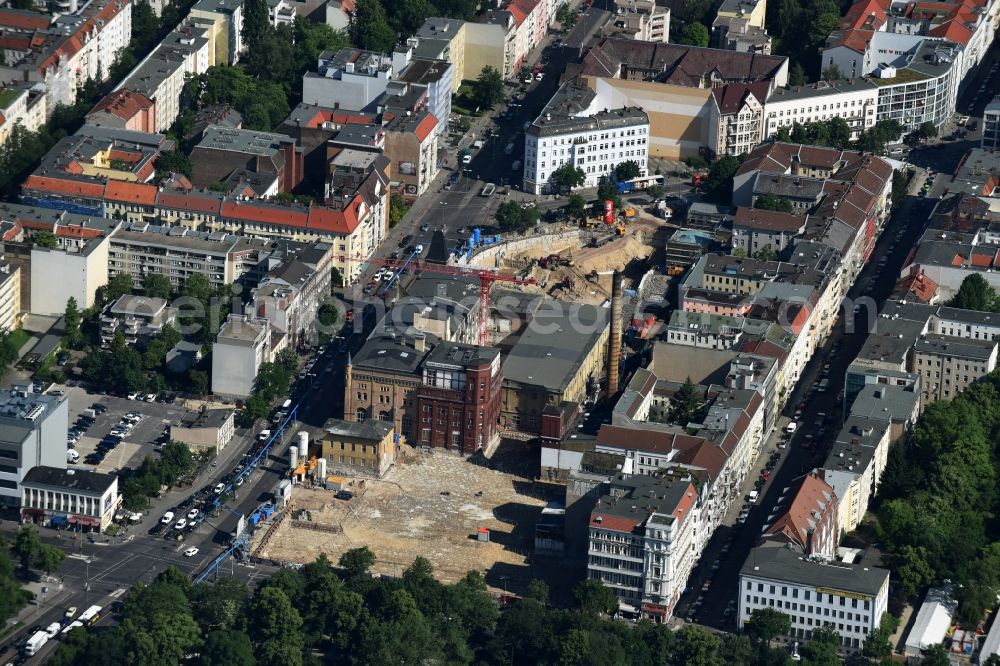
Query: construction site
459,515
578,266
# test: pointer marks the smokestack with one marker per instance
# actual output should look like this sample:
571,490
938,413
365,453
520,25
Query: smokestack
615,339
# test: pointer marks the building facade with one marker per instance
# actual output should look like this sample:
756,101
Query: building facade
352,447
33,430
69,498
849,598
243,344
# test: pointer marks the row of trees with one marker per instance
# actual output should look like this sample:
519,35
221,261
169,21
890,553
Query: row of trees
379,25
273,379
13,597
175,461
837,134
939,499
31,551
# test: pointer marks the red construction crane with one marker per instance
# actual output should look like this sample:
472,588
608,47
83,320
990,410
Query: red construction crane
486,279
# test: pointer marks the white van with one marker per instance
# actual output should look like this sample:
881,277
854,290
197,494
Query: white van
753,496
790,428
72,456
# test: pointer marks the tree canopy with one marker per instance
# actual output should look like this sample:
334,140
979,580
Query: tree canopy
567,176
488,89
975,293
512,216
773,202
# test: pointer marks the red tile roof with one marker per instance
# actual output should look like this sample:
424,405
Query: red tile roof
77,232
92,190
23,19
133,193
952,30
425,127
124,104
191,202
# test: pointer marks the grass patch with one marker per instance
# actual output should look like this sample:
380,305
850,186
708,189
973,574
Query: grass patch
902,76
19,337
7,96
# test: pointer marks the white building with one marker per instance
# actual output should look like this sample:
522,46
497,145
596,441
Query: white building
642,543
77,269
932,622
991,124
848,597
854,467
242,346
645,20
69,497
576,128
856,101
348,79
32,432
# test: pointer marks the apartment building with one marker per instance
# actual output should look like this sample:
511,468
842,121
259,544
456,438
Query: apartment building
437,76
124,109
21,104
64,51
291,293
161,75
814,593
469,47
806,518
684,92
242,345
226,20
359,447
853,100
644,20
74,498
947,366
579,128
854,467
206,430
135,317
224,152
10,296
991,125
349,79
411,144
77,268
756,230
32,432
642,542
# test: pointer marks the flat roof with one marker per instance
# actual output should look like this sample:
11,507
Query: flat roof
568,111
785,564
369,429
78,480
946,345
554,345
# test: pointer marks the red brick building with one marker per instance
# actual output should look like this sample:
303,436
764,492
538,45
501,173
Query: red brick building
458,401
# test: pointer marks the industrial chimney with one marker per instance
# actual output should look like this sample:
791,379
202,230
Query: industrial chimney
615,339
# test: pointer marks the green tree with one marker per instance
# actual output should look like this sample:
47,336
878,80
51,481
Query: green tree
172,162
927,130
71,321
118,286
695,34
277,628
198,381
821,649
357,561
156,285
832,73
687,404
607,191
576,207
567,176
695,646
125,61
27,544
773,202
256,407
720,178
228,647
488,89
566,16
840,132
397,209
766,253
45,239
538,590
796,74
766,624
935,655
628,170
48,558
369,27
975,293
256,24
593,597
511,216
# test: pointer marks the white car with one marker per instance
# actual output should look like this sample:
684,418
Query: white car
168,518
70,613
181,524
150,397
133,396
191,552
219,488
192,514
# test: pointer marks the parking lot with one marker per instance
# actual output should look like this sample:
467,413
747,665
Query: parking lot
135,444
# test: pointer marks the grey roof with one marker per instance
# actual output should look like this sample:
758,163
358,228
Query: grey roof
143,234
252,142
636,498
424,70
677,362
884,402
239,332
974,317
392,353
567,112
819,89
131,304
855,445
785,564
891,340
223,6
945,345
169,56
462,355
554,345
210,418
370,429
354,134
77,480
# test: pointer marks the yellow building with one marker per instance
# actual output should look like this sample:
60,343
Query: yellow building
368,447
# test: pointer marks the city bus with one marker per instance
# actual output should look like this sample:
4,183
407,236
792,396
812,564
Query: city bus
90,616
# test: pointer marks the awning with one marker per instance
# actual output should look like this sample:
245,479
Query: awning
84,520
59,520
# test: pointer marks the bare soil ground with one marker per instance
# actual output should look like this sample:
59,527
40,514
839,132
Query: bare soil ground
430,504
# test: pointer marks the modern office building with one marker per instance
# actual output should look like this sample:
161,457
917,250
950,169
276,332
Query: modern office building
32,432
